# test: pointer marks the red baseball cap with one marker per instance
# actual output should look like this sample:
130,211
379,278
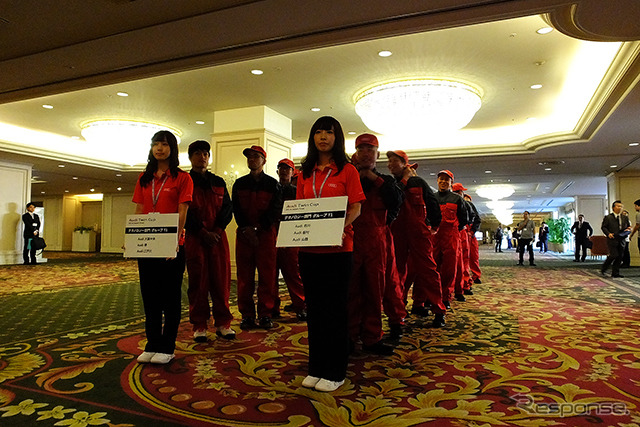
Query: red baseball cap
403,156
287,162
458,187
446,172
367,138
257,149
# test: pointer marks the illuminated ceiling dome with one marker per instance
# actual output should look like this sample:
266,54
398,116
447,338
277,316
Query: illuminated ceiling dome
420,105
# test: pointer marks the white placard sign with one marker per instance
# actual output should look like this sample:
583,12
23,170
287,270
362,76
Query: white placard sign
312,222
151,236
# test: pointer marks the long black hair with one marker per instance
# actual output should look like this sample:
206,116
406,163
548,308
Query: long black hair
152,163
338,152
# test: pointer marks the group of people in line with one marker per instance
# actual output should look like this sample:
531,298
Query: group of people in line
399,237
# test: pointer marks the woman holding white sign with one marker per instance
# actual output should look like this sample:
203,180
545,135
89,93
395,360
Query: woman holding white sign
325,271
162,188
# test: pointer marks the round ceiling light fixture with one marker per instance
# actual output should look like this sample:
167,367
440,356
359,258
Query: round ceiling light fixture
418,105
495,192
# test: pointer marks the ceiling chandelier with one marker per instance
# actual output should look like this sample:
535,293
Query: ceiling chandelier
127,140
495,192
418,106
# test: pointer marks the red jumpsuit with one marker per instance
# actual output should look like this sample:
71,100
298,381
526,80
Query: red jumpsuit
474,256
208,266
413,244
370,251
393,299
447,241
256,204
462,271
287,263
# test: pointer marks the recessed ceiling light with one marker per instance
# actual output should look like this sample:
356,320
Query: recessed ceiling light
536,86
199,122
613,166
432,173
66,191
92,189
118,174
385,53
123,94
487,171
119,188
547,169
544,30
47,106
351,133
75,137
75,177
634,144
316,109
257,72
60,166
42,192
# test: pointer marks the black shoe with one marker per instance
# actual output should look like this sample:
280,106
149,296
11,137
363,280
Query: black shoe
378,348
617,275
604,273
247,323
438,321
460,297
519,263
301,315
576,260
266,323
419,310
477,281
289,308
276,314
500,251
468,291
532,264
395,331
447,304
582,260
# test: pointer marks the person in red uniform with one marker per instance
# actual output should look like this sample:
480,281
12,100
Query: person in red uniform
474,252
370,241
412,235
162,188
287,258
454,218
257,204
463,278
325,271
207,248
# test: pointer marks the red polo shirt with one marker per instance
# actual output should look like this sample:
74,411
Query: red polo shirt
175,190
343,183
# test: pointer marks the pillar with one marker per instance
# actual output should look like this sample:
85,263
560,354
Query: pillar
15,193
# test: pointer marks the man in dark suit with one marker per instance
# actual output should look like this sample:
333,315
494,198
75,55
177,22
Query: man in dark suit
616,227
582,231
31,229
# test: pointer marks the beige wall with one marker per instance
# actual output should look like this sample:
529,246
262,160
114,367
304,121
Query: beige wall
115,208
15,192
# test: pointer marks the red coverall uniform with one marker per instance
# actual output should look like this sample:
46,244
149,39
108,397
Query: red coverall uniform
393,299
257,203
463,278
287,263
474,255
413,243
447,239
370,251
208,266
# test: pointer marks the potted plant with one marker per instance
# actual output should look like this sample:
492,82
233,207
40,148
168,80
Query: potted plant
84,239
559,234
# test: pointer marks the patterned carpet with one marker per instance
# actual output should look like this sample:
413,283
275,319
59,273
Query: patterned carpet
552,345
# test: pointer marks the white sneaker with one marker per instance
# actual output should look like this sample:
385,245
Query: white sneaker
326,385
162,358
145,357
226,333
200,335
310,382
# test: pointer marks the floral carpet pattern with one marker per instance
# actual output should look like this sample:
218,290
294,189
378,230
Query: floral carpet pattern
532,347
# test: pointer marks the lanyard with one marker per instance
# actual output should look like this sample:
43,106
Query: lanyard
319,194
154,196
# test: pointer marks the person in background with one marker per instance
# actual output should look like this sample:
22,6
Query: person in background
582,231
31,223
463,278
626,256
326,271
162,188
287,258
509,236
616,227
527,230
257,204
636,227
206,247
497,236
474,250
543,236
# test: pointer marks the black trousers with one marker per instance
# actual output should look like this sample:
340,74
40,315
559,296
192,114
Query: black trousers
521,246
581,246
616,251
28,253
161,289
326,285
